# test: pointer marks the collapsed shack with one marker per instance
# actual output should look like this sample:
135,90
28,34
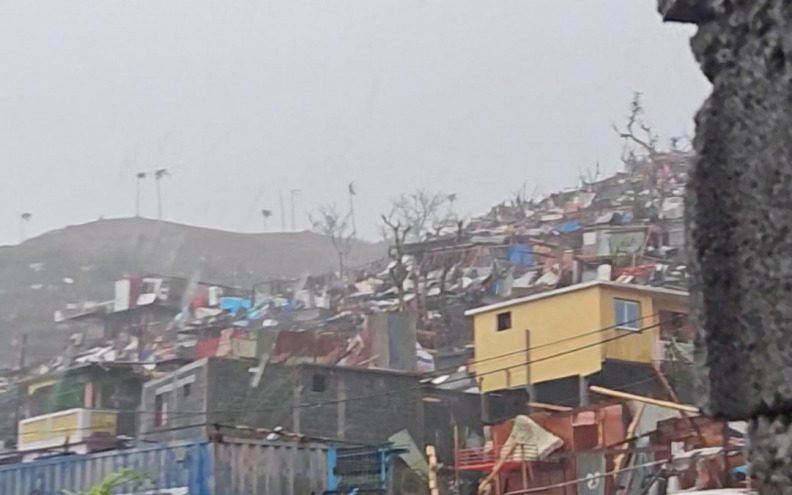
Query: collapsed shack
622,448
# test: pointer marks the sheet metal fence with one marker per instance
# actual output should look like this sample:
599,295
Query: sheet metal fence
230,467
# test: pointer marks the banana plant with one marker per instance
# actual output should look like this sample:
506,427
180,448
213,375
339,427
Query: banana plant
113,481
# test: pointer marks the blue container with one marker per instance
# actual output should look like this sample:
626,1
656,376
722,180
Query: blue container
231,467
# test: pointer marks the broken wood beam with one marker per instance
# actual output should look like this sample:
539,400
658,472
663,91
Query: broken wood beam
647,400
549,407
619,459
674,397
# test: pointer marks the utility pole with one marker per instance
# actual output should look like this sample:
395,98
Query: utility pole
294,193
158,176
283,212
352,194
140,176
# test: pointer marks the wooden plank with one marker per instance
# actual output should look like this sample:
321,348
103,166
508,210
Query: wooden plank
647,400
549,407
673,396
619,459
484,485
432,456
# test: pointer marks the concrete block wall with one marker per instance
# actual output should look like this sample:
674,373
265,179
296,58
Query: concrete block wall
186,392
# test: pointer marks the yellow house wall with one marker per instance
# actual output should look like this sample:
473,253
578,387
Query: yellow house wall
571,318
627,345
671,303
50,427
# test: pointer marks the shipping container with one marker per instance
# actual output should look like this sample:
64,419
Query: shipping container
230,467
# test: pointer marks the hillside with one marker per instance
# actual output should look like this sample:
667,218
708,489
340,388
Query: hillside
81,263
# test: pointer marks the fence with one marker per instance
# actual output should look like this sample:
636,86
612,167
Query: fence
231,467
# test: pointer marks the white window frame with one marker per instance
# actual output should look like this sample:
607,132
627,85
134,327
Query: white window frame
624,321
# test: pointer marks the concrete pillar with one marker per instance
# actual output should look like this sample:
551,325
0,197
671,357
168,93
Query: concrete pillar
583,384
739,220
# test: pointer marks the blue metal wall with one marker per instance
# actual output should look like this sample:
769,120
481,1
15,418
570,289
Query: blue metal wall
233,467
366,469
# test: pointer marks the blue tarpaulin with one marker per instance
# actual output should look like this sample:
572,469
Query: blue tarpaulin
570,227
520,255
234,304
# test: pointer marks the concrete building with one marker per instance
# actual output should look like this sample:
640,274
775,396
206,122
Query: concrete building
583,331
333,403
79,409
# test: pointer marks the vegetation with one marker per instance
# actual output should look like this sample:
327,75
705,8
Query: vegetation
113,481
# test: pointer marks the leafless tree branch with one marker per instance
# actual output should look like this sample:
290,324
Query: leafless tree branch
331,223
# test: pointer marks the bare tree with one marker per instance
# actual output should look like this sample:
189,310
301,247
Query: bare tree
394,231
158,176
328,221
424,212
24,219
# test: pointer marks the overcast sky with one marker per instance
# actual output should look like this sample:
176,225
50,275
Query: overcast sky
240,99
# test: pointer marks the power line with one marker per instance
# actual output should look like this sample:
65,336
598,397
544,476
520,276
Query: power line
549,344
473,363
422,385
412,388
283,433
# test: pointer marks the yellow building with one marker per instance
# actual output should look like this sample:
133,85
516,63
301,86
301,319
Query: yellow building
571,331
83,407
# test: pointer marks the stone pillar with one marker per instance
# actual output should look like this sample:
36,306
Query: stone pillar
739,220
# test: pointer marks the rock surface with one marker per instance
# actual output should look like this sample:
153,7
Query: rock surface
740,210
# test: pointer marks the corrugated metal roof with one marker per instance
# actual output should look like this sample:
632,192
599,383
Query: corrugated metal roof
575,288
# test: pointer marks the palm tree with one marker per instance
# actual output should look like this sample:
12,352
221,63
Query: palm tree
266,214
23,220
158,176
140,177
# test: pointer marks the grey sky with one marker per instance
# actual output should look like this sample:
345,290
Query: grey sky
241,98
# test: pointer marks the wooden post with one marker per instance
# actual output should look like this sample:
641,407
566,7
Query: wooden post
431,455
725,437
456,457
673,396
619,459
498,465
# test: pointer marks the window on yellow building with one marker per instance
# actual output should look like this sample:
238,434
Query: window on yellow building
627,313
504,321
